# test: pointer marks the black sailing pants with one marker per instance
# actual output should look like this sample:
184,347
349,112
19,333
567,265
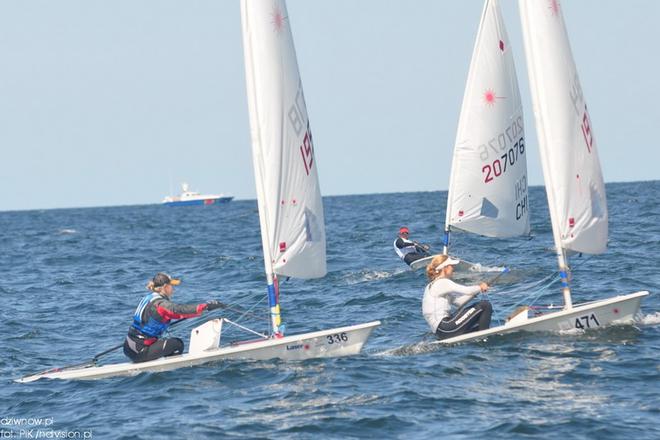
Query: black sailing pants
472,318
160,348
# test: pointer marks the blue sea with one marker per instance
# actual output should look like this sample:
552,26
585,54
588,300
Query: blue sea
71,278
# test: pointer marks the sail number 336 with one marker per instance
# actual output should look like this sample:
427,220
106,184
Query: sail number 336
337,338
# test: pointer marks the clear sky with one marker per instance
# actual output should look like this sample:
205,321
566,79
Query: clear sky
117,102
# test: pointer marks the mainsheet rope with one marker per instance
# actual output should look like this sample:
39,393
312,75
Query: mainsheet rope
536,295
236,307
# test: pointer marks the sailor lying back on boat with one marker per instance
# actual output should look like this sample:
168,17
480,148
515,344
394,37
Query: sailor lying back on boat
442,293
409,250
154,315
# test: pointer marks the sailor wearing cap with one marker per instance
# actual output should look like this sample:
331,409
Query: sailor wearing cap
409,250
153,316
442,293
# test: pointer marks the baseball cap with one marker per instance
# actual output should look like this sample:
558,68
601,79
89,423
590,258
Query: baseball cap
161,279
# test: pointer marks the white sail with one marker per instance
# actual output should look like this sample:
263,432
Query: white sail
573,178
288,193
488,185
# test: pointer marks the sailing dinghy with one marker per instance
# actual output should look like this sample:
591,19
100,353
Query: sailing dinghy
488,183
290,209
573,178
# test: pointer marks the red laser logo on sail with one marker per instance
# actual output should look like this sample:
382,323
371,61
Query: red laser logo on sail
278,20
490,97
554,7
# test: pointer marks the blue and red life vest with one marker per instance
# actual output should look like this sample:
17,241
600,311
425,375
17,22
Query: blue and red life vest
152,327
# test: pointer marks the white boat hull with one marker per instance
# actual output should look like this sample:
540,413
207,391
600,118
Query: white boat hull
422,262
612,311
462,267
342,341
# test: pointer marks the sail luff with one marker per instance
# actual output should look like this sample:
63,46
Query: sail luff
257,162
255,136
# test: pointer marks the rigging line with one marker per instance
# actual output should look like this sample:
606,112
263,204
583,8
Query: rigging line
228,307
524,240
533,285
238,306
537,294
246,329
257,297
248,311
212,315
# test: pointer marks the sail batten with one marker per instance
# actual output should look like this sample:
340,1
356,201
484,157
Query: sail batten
488,183
286,176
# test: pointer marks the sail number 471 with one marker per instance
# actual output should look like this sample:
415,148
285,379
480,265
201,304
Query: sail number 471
337,338
586,321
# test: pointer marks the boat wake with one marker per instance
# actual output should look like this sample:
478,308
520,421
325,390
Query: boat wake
477,267
570,332
408,349
650,319
366,276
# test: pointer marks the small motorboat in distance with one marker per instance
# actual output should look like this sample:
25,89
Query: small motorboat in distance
189,197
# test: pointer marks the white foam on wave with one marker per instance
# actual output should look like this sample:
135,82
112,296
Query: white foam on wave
368,275
477,267
650,319
409,349
572,332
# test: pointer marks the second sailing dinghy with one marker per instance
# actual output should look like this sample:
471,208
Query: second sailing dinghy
488,185
290,209
571,169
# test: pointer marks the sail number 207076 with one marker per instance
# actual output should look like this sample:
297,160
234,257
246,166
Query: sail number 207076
499,166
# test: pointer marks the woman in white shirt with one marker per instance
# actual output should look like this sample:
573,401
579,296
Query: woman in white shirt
442,293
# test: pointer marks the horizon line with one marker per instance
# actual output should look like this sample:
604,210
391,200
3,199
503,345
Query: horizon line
254,199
